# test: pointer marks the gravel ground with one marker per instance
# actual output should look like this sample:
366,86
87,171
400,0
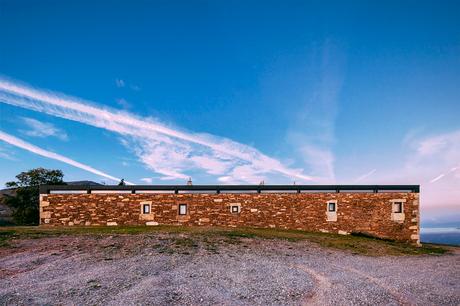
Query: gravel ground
175,269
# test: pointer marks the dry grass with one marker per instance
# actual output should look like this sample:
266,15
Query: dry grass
186,238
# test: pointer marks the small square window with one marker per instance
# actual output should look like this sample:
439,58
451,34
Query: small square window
397,207
235,209
331,207
146,209
182,209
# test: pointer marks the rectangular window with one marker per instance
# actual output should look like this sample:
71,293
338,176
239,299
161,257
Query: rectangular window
331,207
146,209
397,207
182,209
235,209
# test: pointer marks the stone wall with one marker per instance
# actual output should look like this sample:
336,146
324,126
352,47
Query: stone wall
371,213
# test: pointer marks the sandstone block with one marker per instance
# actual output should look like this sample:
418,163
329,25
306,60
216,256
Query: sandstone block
331,216
112,223
151,223
398,217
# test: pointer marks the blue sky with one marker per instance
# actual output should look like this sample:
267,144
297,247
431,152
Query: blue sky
281,91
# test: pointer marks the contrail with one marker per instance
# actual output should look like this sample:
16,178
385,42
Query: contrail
34,149
364,176
127,124
444,174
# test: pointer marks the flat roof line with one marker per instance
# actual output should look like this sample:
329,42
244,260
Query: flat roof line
44,189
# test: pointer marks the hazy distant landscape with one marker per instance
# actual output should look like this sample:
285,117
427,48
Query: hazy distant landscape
443,235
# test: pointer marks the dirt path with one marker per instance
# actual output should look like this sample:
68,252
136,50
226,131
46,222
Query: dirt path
322,286
167,269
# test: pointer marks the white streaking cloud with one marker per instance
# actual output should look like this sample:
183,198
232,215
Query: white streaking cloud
434,161
42,129
365,176
147,180
437,178
167,151
444,174
34,149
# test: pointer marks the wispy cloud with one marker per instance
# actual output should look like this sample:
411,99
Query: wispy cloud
135,87
434,153
147,180
434,161
5,154
120,83
169,151
312,132
365,176
452,170
42,129
39,151
123,103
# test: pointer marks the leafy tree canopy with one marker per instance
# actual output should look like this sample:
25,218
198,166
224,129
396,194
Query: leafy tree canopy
26,201
36,177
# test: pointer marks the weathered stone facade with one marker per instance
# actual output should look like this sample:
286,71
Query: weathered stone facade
364,212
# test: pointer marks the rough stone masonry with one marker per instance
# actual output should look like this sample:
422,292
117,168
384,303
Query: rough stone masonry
391,214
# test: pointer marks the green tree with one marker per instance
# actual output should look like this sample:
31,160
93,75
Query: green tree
26,201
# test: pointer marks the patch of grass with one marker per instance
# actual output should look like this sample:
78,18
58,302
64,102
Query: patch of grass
187,237
238,234
357,244
367,235
5,236
185,242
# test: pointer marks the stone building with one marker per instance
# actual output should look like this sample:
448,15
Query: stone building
385,211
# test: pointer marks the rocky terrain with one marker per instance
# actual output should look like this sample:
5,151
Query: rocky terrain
183,268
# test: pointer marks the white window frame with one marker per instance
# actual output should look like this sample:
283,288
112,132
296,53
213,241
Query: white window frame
331,216
149,209
329,203
180,212
238,208
397,207
398,216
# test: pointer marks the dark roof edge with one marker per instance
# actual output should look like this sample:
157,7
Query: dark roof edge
337,188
